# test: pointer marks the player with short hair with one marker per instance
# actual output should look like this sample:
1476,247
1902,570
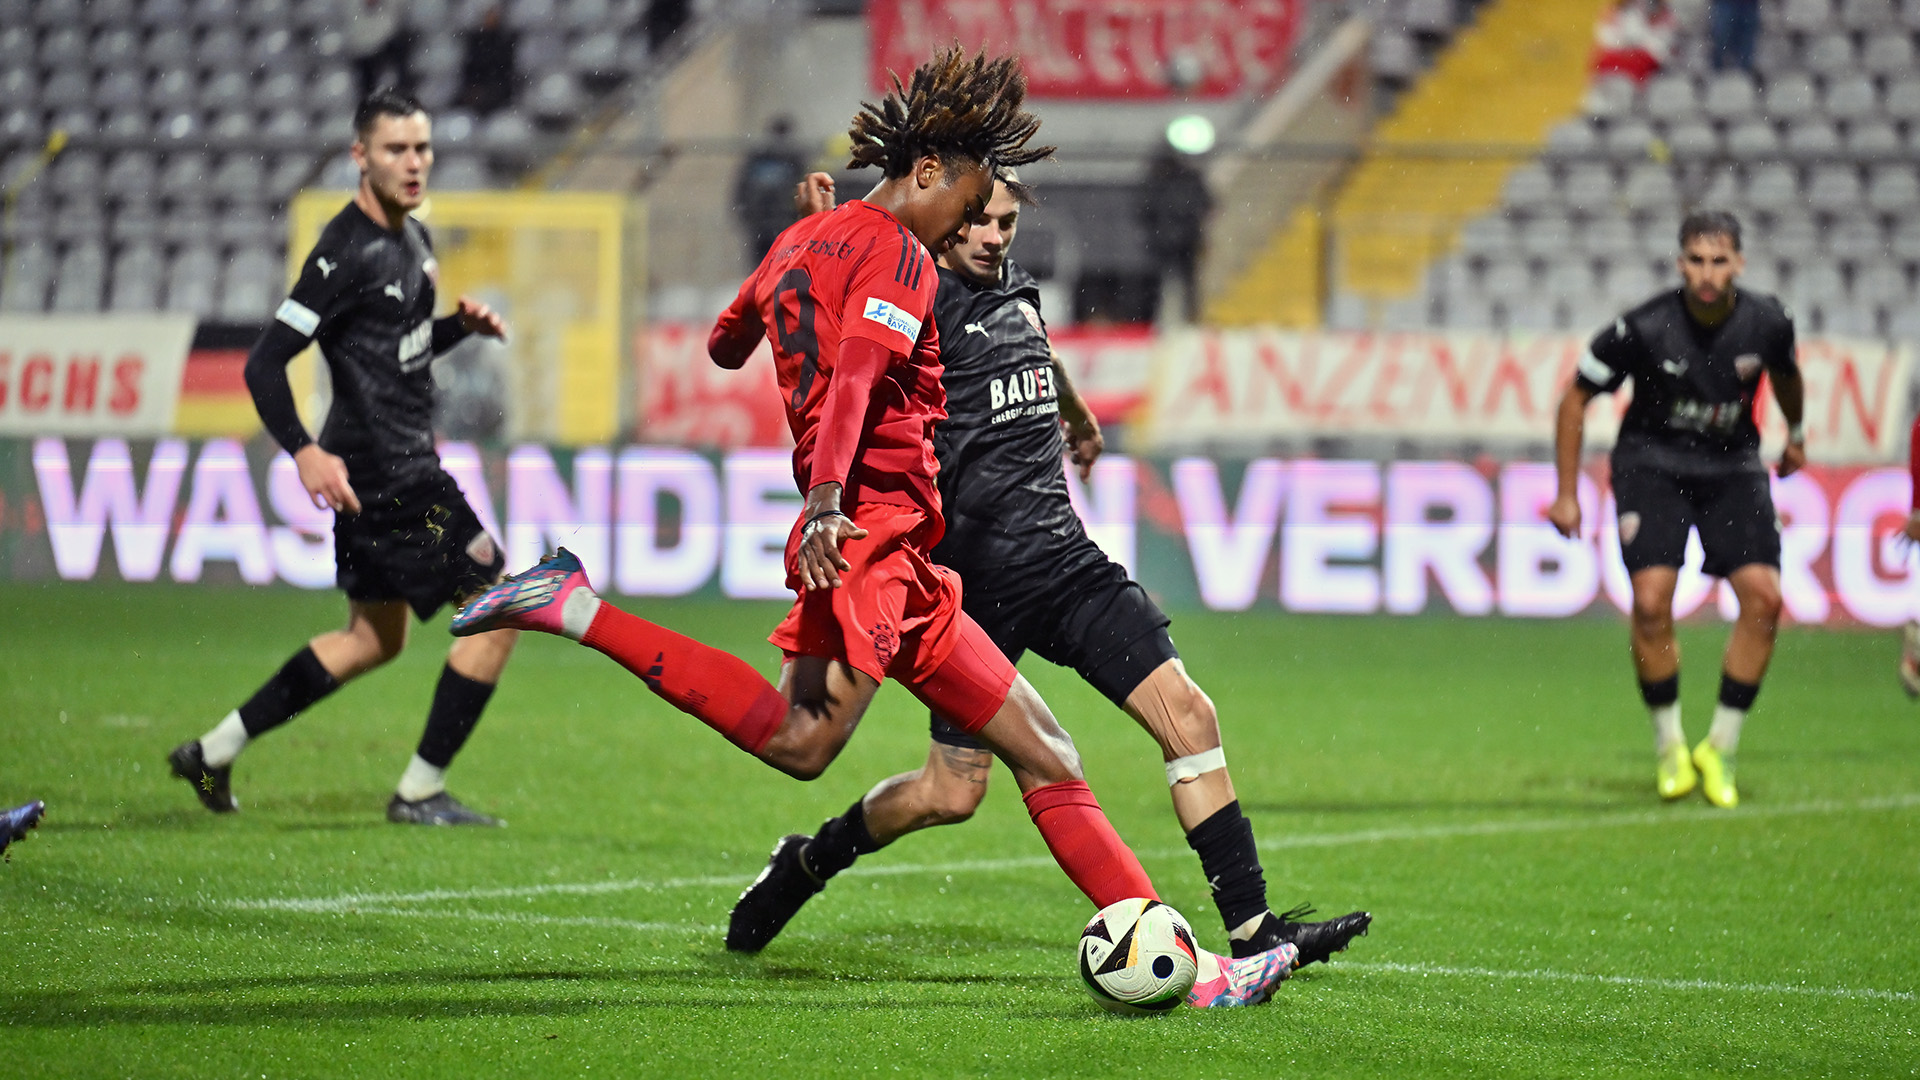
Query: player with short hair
404,536
1688,457
846,299
1036,582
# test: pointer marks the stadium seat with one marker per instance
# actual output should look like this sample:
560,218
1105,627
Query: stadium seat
1693,140
1532,313
268,15
1490,236
19,86
1882,284
232,126
1903,323
176,89
223,45
1904,241
1431,18
1668,98
1806,16
1817,283
1846,318
1572,139
1630,138
1630,283
55,12
1548,235
113,13
250,286
67,88
1773,186
333,91
17,45
136,223
1589,186
240,178
1348,311
1872,16
1529,187
1508,277
1394,55
1831,55
1650,187
288,174
1753,140
465,173
1888,55
1871,139
1609,237
64,48
1471,312
190,281
80,283
169,49
1405,315
1610,98
437,54
1856,238
506,131
1893,189
116,49
1903,100
163,13
1570,278
1852,97
1791,97
227,89
1834,189
122,89
29,273
1812,138
596,59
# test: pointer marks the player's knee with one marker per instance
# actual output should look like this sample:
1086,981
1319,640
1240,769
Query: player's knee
1762,601
1651,615
1195,718
952,804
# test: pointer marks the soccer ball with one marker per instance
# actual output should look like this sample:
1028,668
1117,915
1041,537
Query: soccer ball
1137,957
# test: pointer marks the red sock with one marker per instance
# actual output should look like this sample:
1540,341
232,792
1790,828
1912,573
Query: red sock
720,689
1084,844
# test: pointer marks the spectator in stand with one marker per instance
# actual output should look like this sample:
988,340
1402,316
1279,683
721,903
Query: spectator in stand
763,189
1174,214
1733,25
378,44
1634,40
487,69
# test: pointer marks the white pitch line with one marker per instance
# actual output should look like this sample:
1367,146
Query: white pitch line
346,901
1631,980
530,919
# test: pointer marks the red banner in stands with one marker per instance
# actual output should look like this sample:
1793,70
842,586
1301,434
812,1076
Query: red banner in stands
1098,48
686,401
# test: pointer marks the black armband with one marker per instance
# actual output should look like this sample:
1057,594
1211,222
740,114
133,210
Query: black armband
266,374
448,331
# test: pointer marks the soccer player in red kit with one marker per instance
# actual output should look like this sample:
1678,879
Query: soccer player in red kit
846,299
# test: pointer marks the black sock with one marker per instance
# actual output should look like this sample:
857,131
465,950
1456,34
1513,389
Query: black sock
1231,862
1735,694
457,702
298,684
840,841
1664,692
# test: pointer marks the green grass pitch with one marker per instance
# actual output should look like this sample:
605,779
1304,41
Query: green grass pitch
1484,787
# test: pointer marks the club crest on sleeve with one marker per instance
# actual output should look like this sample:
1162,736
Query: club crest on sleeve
1033,317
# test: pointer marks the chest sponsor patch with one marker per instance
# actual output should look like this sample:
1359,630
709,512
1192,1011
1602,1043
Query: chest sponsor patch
416,346
1746,365
891,317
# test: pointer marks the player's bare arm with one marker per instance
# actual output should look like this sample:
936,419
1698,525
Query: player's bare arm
826,528
1569,431
1790,392
1085,444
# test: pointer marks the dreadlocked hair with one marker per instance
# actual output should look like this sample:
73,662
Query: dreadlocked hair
954,107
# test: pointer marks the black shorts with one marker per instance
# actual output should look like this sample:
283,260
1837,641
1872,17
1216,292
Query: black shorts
1089,616
1733,511
419,542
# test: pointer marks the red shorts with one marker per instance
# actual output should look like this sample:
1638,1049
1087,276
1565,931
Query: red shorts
897,615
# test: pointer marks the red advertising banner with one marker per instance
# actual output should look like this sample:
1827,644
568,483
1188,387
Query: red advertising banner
91,375
1257,385
1098,48
686,401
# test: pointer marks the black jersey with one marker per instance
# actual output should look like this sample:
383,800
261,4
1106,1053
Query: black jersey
366,296
1002,482
1693,386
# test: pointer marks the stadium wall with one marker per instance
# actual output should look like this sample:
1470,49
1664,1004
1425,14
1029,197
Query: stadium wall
1296,534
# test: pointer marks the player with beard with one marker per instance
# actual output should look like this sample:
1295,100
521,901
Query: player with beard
846,298
404,536
1688,457
1035,581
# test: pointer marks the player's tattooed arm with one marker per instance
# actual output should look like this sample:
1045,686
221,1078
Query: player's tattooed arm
813,194
1569,431
1084,442
825,527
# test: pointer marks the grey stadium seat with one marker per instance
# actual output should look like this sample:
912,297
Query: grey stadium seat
1487,237
1905,241
163,13
82,279
506,130
1893,189
1669,97
1630,283
1609,237
1528,187
190,281
113,13
1610,98
1812,137
1816,282
122,89
1570,279
1650,187
1869,15
1791,96
280,90
1773,186
1693,140
275,49
291,125
1548,235
1856,239
232,126
117,48
229,89
1590,186
1834,188
532,14
463,173
64,48
1508,278
1873,139
1883,285
1831,54
184,176
1852,97
1753,140
1393,54
240,178
1629,139
17,45
169,48
1795,238
333,91
128,125
1888,55
136,223
1848,318
135,285
1903,100
222,46
76,174
175,89
250,287
29,273
19,86
1806,16
68,88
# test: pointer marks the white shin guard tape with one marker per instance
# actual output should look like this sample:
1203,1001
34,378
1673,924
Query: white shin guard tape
1193,765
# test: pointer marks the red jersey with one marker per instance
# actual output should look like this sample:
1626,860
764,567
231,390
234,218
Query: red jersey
832,287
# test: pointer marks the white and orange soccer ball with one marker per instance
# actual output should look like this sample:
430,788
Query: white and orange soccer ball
1137,957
